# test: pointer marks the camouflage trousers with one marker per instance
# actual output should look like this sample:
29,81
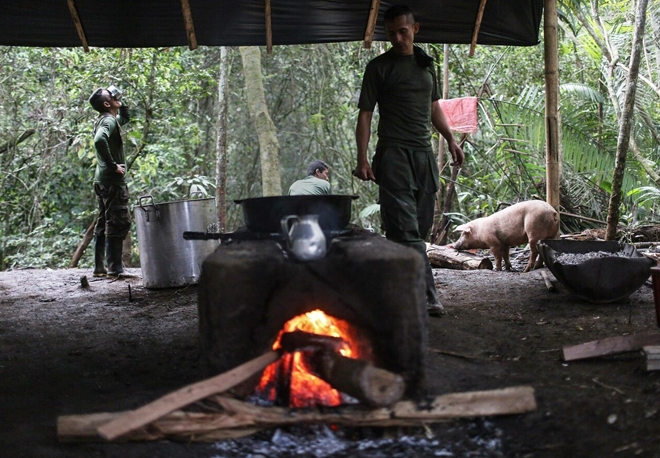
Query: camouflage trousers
114,214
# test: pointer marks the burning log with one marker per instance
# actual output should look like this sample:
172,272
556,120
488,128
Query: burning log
358,378
449,258
238,418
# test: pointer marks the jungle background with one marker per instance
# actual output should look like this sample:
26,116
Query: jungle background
177,96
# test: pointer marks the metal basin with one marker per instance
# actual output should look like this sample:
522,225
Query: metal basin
264,214
599,279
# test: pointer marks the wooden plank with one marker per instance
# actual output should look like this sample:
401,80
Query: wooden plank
188,23
505,401
78,23
371,24
146,414
652,353
239,418
477,26
609,346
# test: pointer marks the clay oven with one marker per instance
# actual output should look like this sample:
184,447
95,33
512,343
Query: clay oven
371,289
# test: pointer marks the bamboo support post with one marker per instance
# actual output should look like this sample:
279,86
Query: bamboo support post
371,24
477,26
188,22
269,27
79,27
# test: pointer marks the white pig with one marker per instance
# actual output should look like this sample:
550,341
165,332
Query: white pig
528,221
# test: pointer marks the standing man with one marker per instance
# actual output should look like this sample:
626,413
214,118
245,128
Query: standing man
402,83
316,182
110,187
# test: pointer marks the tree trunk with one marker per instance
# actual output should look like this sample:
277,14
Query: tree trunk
221,144
611,54
268,144
626,121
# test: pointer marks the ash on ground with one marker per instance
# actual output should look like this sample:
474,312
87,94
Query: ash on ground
579,258
322,441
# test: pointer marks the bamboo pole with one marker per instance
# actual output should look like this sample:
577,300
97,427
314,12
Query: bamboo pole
477,26
79,27
552,125
269,27
188,22
371,24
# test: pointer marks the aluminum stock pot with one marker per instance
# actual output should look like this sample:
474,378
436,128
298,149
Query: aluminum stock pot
166,258
264,214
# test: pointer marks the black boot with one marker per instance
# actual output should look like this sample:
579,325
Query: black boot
113,251
433,305
99,256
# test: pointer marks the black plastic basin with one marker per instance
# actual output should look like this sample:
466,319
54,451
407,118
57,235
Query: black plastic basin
600,279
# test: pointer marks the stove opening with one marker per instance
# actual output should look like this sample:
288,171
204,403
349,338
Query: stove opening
291,382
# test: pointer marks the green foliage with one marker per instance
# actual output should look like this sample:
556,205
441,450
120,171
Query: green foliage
46,190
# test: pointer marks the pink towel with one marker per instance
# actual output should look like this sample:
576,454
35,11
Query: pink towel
461,114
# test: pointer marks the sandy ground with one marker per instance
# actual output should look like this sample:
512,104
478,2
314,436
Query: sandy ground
116,346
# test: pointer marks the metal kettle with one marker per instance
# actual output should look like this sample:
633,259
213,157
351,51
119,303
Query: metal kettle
304,237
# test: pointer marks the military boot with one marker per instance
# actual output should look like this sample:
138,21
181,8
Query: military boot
433,305
99,256
113,253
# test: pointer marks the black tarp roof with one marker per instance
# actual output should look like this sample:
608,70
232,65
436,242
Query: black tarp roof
156,23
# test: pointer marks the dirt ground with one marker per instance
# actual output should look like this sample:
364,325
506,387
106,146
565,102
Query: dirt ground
116,346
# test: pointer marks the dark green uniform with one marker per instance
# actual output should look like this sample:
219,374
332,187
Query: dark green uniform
310,185
404,164
110,187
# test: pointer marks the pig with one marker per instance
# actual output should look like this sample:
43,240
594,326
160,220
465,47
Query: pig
528,221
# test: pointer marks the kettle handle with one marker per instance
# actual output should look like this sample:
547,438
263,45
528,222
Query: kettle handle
285,225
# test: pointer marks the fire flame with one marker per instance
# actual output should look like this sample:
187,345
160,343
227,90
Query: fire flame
306,389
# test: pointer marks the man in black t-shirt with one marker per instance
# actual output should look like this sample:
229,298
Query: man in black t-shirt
402,83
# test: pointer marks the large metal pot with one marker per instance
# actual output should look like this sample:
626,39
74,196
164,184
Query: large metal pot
167,260
263,214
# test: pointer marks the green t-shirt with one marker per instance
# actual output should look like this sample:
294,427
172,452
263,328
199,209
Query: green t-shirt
109,147
311,186
404,92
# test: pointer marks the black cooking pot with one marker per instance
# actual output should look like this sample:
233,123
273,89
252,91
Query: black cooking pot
263,214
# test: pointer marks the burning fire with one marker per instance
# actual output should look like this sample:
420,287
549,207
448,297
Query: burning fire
290,373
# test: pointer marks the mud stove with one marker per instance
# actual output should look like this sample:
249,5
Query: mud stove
367,290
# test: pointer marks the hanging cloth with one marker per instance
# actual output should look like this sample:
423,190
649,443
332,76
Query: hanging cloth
461,114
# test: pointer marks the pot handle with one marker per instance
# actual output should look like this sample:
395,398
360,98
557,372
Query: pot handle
148,196
285,225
